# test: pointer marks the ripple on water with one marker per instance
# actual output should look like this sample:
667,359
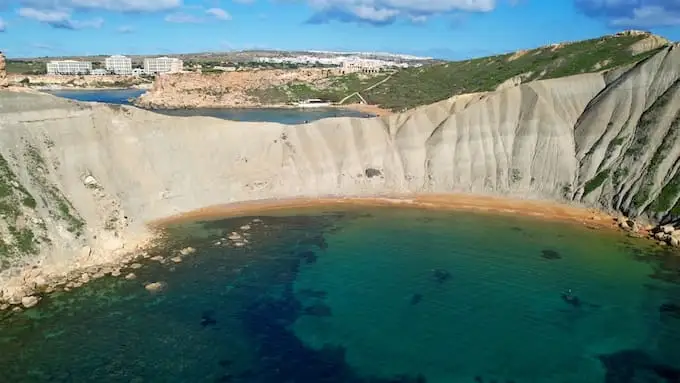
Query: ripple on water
379,295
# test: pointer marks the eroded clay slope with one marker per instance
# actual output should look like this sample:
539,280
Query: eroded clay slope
82,178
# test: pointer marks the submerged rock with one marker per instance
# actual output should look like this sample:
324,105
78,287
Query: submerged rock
550,254
441,275
130,276
187,250
155,286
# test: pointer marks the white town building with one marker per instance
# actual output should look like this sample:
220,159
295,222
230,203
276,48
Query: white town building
66,67
163,65
120,65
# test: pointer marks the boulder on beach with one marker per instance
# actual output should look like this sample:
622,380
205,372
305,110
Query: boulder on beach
29,301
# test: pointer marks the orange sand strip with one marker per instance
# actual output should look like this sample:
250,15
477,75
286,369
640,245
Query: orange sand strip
540,209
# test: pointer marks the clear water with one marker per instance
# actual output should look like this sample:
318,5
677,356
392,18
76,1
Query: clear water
280,115
377,295
111,96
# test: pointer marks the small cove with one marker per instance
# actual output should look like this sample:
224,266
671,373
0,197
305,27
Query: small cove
280,115
388,294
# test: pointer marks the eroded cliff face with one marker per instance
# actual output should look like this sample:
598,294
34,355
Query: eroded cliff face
80,180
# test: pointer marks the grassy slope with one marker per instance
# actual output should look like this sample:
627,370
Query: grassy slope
420,86
336,90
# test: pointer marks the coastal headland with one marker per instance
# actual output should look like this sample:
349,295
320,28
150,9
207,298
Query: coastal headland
81,184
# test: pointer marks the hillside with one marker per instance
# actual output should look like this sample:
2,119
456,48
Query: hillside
421,86
78,181
407,88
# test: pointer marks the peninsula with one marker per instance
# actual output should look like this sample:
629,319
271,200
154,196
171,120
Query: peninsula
79,182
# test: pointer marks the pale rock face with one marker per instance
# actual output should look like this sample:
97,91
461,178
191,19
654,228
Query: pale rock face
607,140
3,72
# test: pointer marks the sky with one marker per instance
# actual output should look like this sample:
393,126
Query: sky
448,29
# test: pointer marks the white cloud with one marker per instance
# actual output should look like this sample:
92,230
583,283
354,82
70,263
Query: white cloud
633,13
386,11
125,29
648,17
183,18
44,16
60,18
3,26
109,5
219,14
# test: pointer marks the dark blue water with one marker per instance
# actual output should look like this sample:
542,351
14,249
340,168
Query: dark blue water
111,96
280,115
372,296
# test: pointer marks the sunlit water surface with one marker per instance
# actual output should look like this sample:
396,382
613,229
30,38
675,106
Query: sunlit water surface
377,295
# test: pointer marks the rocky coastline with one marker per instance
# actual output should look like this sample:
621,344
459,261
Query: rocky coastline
34,283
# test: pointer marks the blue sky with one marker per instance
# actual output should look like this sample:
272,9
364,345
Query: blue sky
452,29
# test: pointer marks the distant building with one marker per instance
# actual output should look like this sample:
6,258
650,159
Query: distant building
67,67
363,66
120,65
163,65
99,72
138,72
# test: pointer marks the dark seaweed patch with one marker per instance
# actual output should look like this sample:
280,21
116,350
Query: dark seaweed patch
670,309
441,275
416,298
308,256
630,366
208,318
318,310
550,254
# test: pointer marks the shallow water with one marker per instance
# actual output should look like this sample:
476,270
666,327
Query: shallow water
370,295
280,115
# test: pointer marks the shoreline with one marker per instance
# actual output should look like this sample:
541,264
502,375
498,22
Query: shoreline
373,110
31,283
452,202
84,89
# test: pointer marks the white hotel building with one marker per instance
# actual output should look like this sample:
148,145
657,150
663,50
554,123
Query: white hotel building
120,65
69,67
163,65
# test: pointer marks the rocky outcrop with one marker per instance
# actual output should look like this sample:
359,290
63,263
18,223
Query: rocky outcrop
80,180
225,89
3,72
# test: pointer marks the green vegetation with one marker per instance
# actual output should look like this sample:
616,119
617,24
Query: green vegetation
12,196
333,89
425,85
596,182
25,67
63,209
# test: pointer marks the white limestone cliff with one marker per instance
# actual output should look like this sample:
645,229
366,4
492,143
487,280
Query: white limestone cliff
98,173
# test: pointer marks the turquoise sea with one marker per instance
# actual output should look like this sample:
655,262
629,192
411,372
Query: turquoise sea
367,295
280,115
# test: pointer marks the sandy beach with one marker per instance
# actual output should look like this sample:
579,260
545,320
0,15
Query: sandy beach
366,108
500,205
